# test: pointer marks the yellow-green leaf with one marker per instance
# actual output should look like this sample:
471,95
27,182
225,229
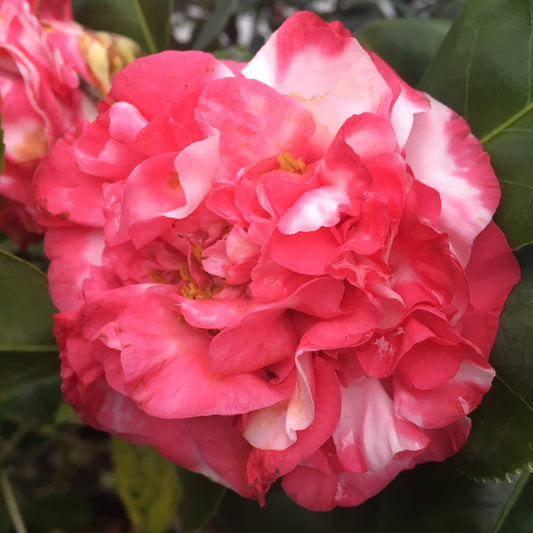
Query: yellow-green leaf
147,484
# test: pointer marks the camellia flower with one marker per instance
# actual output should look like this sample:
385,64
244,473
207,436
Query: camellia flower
280,269
44,55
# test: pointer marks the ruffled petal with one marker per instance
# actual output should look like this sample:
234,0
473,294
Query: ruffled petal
322,66
446,156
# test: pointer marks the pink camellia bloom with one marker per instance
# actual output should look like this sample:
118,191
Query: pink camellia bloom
284,269
44,55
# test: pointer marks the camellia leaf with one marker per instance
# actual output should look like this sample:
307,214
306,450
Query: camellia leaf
501,441
147,484
215,23
144,21
484,71
199,502
27,347
406,44
431,498
434,498
282,515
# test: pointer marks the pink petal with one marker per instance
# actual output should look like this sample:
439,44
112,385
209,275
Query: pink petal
369,434
265,466
352,328
407,101
275,427
304,252
165,187
168,371
65,193
444,405
260,340
125,122
431,363
492,265
313,210
71,251
318,491
445,442
208,445
254,121
171,74
446,156
324,67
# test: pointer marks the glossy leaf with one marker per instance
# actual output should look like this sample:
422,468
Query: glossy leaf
215,23
35,402
437,499
432,497
406,44
512,355
27,347
484,71
145,21
199,502
147,484
26,311
282,515
501,440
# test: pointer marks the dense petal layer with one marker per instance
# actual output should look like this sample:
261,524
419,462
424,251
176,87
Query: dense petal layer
283,269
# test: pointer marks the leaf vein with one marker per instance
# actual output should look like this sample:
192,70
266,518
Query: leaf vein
523,400
517,184
467,76
507,124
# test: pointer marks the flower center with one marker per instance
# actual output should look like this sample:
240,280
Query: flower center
287,162
192,290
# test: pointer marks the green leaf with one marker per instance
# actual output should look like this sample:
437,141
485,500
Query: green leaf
517,516
27,347
501,440
26,311
406,44
59,510
484,71
512,355
144,21
37,401
434,498
215,23
20,368
282,515
431,498
200,500
147,484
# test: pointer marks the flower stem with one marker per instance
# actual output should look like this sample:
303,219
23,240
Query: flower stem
520,484
11,503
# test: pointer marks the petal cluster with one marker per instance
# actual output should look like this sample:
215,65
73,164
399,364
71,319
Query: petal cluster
280,269
52,72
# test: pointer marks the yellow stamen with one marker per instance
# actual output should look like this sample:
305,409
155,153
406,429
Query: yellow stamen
191,290
196,252
287,162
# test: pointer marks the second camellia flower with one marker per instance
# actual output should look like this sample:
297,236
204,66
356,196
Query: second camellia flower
52,73
280,269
